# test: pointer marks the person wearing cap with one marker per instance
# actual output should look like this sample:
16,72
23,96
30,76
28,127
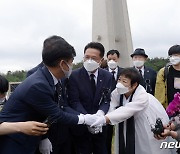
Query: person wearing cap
113,57
167,86
148,75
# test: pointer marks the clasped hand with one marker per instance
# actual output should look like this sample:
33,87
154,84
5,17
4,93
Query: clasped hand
94,122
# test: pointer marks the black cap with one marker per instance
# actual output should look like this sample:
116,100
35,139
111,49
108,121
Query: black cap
139,51
175,49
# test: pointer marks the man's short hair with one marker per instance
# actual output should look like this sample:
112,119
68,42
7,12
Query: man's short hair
55,48
95,45
4,85
112,52
175,49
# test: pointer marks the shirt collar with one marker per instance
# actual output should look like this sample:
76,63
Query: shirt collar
95,73
54,78
142,68
115,70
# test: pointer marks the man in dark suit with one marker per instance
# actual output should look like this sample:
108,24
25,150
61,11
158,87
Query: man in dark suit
59,141
113,57
89,93
35,98
148,75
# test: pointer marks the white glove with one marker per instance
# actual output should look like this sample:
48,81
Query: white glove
100,113
89,119
101,120
45,146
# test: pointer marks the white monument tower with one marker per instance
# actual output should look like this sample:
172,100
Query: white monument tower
111,27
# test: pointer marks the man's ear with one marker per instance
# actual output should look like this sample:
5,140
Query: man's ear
101,61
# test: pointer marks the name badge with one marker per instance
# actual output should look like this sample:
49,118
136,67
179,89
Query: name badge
177,83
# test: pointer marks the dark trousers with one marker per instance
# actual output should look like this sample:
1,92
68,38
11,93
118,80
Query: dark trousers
109,138
91,143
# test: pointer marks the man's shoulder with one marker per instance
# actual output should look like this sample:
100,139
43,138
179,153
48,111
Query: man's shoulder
150,69
104,71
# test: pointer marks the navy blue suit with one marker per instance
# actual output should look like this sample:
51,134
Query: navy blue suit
32,100
82,100
149,80
58,134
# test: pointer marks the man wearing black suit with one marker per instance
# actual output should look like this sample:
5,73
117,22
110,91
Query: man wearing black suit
113,57
35,98
89,93
148,75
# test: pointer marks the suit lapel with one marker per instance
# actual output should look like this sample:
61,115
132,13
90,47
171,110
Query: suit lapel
146,72
100,80
48,77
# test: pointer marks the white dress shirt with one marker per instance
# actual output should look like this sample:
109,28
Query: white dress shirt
95,75
116,72
142,70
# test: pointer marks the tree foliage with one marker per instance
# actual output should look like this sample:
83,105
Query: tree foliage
17,76
156,63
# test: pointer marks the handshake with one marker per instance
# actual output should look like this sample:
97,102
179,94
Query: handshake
94,122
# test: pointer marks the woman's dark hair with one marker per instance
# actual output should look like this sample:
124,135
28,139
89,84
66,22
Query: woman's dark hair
132,74
55,48
4,85
175,49
96,45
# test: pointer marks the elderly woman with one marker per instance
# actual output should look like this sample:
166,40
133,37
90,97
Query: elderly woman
135,110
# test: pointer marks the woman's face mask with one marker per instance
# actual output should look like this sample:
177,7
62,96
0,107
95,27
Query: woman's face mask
90,65
174,60
121,88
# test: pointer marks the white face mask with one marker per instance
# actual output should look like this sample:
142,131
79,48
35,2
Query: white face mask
67,73
121,88
90,65
112,64
174,60
138,63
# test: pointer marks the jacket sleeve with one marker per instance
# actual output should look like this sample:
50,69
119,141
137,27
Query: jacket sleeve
139,103
160,88
40,98
73,93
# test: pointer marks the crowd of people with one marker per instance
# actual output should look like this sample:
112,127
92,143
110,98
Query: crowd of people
57,110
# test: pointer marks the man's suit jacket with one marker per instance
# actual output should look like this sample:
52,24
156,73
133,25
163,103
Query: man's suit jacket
149,80
31,71
33,99
81,95
117,77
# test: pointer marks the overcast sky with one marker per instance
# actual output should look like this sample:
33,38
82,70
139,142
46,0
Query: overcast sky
24,24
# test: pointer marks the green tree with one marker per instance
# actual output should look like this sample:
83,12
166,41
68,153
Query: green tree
156,63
